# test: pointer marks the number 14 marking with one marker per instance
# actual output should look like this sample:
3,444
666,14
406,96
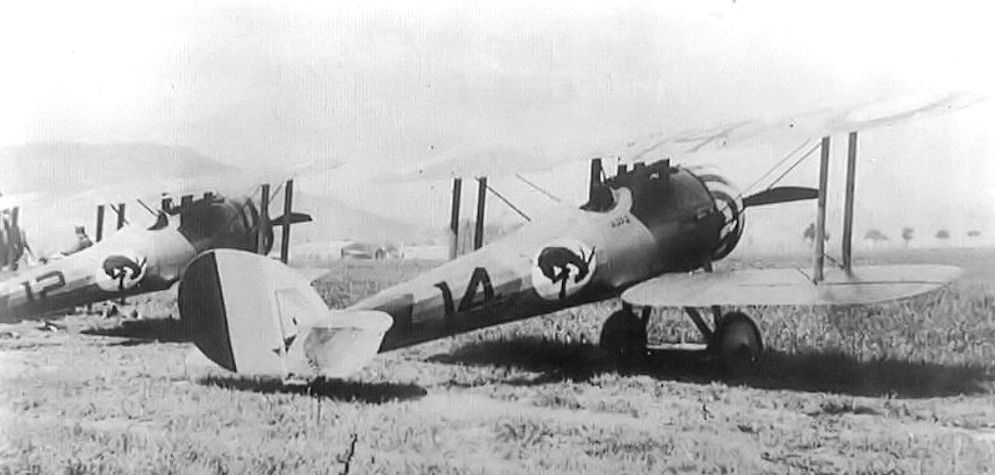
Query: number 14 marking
479,280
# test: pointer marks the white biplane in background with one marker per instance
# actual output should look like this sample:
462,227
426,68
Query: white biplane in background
139,259
650,234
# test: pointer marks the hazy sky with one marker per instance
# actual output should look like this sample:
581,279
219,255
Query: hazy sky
378,84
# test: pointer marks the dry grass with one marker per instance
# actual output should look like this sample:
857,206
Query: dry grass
901,388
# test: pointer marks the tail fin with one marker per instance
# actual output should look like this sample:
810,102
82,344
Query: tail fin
253,315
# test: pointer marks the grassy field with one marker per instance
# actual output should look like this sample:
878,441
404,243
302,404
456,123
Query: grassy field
906,387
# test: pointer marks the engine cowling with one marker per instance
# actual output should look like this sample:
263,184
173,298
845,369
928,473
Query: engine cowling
218,222
729,204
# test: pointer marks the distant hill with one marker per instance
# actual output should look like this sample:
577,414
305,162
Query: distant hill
334,220
61,169
65,167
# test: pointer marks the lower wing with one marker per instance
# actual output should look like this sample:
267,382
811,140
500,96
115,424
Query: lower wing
863,285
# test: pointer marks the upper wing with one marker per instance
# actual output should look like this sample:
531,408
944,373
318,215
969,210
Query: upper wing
46,175
790,128
235,183
866,285
787,128
20,199
473,162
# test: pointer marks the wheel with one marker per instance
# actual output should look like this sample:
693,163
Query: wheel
738,345
624,336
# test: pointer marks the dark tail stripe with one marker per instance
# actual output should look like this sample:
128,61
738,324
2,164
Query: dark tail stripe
203,311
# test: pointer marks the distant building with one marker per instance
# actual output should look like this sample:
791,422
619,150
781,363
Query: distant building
357,250
319,253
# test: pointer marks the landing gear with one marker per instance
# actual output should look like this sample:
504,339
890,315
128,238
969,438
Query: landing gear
737,345
624,335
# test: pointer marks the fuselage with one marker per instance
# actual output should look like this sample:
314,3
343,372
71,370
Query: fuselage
640,224
134,260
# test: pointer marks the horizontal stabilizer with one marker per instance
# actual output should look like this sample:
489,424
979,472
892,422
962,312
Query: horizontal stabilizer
339,346
294,219
780,194
255,316
865,285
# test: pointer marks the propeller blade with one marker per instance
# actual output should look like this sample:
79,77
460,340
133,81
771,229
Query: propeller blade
780,194
294,219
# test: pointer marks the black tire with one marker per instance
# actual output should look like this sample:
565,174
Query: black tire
738,345
624,336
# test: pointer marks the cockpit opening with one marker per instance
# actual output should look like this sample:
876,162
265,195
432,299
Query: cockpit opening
161,221
602,199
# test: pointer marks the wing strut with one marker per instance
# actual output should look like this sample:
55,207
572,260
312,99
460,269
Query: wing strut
288,210
478,235
263,220
454,219
851,172
119,209
100,222
820,215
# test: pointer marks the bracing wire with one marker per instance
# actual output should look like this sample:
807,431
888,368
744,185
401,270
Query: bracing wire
153,213
276,191
794,165
777,165
507,202
116,210
537,188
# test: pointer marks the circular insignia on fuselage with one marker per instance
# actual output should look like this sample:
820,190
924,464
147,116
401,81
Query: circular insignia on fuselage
120,271
562,267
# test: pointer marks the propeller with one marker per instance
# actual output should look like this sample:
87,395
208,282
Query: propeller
265,223
780,194
732,206
295,218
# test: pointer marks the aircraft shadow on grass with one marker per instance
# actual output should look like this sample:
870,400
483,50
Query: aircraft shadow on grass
830,371
347,391
834,372
139,332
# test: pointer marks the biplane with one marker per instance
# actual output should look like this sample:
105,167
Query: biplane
138,259
650,235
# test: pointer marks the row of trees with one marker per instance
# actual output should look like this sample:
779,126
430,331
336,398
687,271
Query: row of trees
875,235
